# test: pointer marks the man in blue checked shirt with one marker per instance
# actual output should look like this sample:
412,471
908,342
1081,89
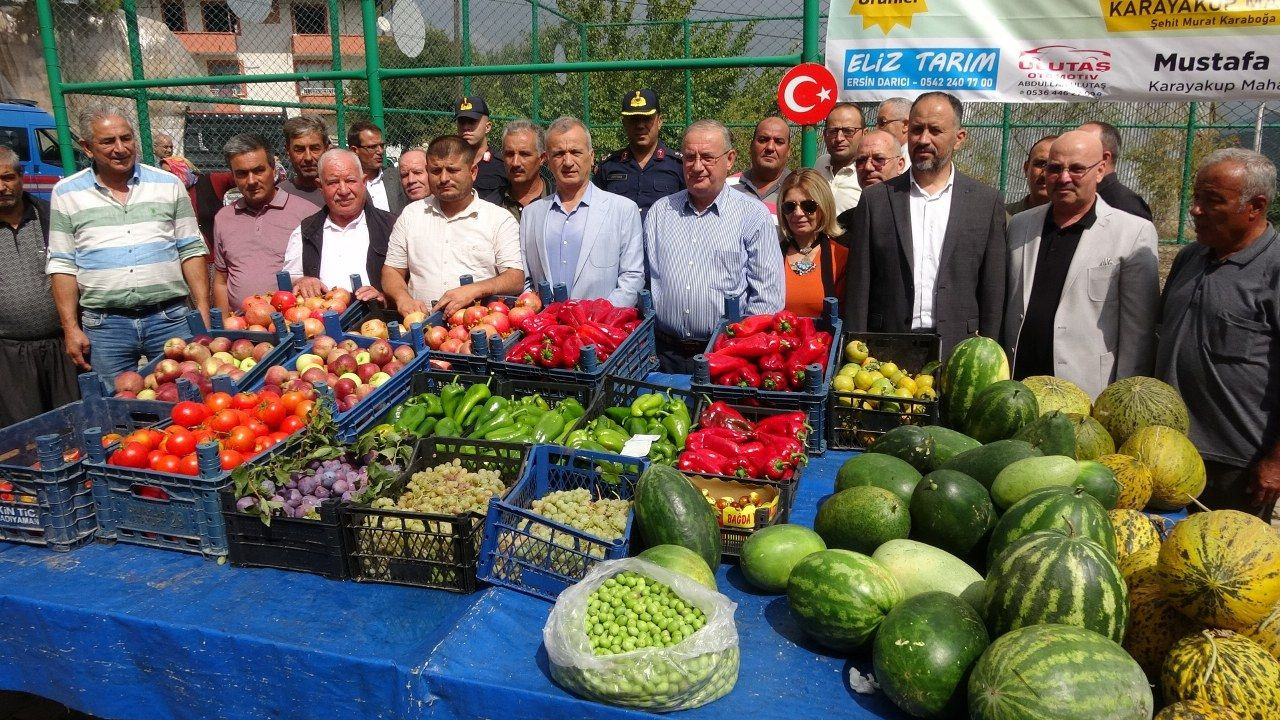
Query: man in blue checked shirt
705,243
125,252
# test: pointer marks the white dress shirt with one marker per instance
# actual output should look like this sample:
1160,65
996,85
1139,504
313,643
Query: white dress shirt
345,253
378,191
844,183
929,215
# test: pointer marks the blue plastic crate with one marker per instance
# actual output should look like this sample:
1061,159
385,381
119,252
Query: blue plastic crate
812,400
52,505
286,343
527,552
481,347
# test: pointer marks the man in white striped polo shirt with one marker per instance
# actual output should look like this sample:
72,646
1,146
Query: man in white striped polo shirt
125,252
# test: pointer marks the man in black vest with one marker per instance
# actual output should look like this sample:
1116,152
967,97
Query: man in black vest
347,237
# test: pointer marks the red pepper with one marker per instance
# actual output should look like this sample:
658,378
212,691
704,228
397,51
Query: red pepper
787,449
785,322
805,328
773,361
776,469
737,466
598,309
791,424
539,322
721,341
774,380
721,364
705,441
749,326
702,461
573,314
525,351
753,346
795,372
748,377
617,334
719,414
734,434
756,456
571,352
591,334
622,317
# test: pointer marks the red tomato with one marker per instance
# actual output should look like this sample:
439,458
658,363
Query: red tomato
224,421
271,411
245,400
241,439
230,459
189,465
258,427
188,414
290,401
218,401
168,464
303,410
292,424
181,442
203,435
154,457
110,439
133,455
141,437
278,436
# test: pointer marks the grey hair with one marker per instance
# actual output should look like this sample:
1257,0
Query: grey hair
97,112
9,158
565,123
296,127
415,148
335,154
899,104
247,143
165,135
522,125
1258,171
711,126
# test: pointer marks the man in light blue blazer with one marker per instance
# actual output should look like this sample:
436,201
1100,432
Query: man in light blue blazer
588,239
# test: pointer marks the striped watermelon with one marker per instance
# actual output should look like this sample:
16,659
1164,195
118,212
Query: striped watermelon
1154,622
1134,531
974,364
839,597
1058,672
1134,478
1267,632
1092,440
1048,577
1055,393
923,651
1000,411
1222,568
1060,509
1177,471
1224,668
1136,402
1197,710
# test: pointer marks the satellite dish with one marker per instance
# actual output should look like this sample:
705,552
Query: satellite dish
561,78
250,11
384,25
409,27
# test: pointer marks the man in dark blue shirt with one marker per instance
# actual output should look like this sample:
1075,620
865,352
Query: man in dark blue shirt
472,116
646,169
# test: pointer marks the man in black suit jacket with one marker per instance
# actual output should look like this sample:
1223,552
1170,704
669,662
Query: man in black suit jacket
1110,189
927,248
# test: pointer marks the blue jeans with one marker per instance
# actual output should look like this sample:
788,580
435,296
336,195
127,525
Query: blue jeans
118,342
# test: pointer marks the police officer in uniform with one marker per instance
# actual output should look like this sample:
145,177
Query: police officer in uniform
646,169
472,116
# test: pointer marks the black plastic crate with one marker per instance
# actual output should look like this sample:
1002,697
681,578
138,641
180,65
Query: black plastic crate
853,427
443,554
312,546
732,538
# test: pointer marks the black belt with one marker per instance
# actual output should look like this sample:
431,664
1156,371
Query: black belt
143,310
686,345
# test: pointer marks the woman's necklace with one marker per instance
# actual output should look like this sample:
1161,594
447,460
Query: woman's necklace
804,264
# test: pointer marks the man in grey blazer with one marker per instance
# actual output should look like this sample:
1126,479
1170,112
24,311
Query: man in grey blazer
1084,285
581,236
927,248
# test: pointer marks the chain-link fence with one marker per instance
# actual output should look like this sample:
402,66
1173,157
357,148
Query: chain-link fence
246,64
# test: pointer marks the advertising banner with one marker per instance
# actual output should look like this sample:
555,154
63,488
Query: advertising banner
1056,50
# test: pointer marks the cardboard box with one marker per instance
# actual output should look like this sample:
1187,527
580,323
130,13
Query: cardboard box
759,511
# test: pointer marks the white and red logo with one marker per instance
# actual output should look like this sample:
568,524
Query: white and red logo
807,93
1064,62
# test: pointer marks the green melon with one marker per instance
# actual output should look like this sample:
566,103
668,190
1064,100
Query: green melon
1223,668
1134,478
921,568
985,463
1092,440
1136,402
1177,470
1048,577
770,553
923,651
1065,510
839,597
880,470
908,443
1052,433
1057,672
1053,393
1000,411
680,559
1020,478
861,518
974,363
950,510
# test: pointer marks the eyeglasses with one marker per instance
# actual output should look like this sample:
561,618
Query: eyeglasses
882,123
1075,171
705,159
808,206
372,146
845,131
876,160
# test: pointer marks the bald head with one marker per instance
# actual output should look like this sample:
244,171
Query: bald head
1109,136
1075,168
879,158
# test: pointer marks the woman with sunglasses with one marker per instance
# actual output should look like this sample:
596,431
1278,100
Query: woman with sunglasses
813,261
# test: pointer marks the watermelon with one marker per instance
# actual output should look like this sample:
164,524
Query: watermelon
1058,672
1134,531
974,363
1224,668
923,651
1136,402
1099,481
1051,433
1154,623
1019,478
947,443
770,553
951,511
985,463
908,443
1222,568
883,471
1000,411
680,559
671,511
1065,510
1056,394
861,518
1092,440
1197,710
1177,471
921,568
1134,479
1048,577
839,597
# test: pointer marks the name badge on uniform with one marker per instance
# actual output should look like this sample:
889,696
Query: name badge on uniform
615,176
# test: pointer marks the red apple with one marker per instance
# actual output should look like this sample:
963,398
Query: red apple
276,375
220,344
147,394
312,327
459,317
269,388
129,381
212,366
236,374
344,387
241,349
192,377
235,322
342,364
262,349
283,300
189,366
472,315
529,299
404,354
167,392
197,353
393,367
202,339
436,335
173,348
349,345
364,390
333,354
129,395
315,374
299,385
331,380
151,382
498,306
167,370
322,344
519,314
380,352
366,371
499,321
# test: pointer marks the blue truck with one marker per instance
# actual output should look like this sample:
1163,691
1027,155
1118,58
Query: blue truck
29,131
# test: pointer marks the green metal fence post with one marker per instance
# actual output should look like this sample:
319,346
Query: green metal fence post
688,75
130,8
66,146
536,51
466,45
812,15
583,51
335,32
1189,148
1006,126
372,65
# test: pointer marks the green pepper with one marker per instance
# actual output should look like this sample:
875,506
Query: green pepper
502,418
426,426
448,427
569,426
474,395
612,441
647,404
535,400
571,409
678,427
634,426
510,433
411,417
679,409
549,427
529,416
662,452
450,395
654,427
589,444
618,414
603,422
495,404
431,402
576,437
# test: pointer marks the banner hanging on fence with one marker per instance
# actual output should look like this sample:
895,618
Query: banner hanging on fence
1055,51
